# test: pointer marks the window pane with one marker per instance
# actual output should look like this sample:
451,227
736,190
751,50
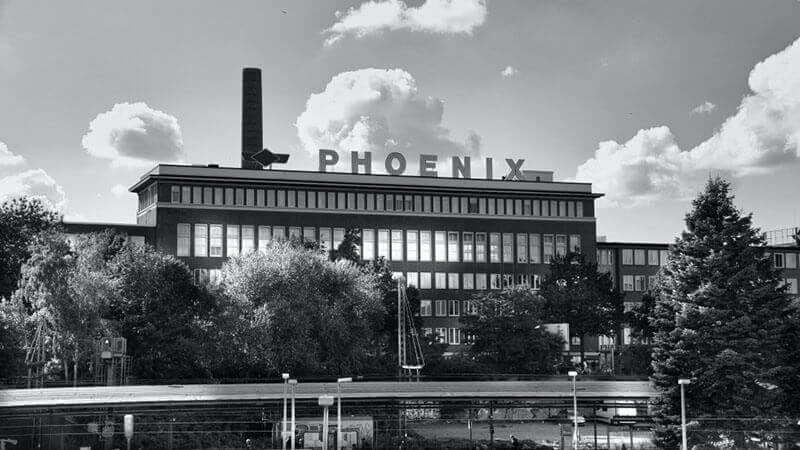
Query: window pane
218,200
215,248
548,248
176,194
452,281
452,246
425,280
425,308
368,243
184,239
250,197
467,247
200,240
508,247
411,245
494,247
424,245
278,233
522,248
248,238
383,244
480,247
264,237
309,234
480,281
440,249
233,240
338,237
441,280
536,248
575,243
397,245
561,245
240,196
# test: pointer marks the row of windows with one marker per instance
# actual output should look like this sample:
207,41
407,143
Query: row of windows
394,245
447,308
784,260
637,257
639,283
362,201
470,281
450,336
148,196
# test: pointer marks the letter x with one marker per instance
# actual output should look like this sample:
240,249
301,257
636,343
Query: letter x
515,172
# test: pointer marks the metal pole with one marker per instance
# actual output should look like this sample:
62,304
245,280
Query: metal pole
283,430
574,375
594,413
293,423
338,416
682,382
325,429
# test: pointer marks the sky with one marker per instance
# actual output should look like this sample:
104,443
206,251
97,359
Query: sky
644,99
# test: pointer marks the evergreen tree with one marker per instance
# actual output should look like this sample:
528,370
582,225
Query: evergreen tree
718,321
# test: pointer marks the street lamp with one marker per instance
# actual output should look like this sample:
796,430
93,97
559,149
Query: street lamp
293,384
682,382
574,375
325,401
339,410
285,377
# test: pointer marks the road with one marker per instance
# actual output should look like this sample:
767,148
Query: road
228,393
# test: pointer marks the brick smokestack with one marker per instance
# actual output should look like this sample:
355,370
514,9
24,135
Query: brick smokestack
252,133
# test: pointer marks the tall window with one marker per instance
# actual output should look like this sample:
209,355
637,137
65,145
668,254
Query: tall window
440,249
536,282
325,238
639,283
561,245
548,248
575,243
452,280
468,281
453,308
215,232
494,247
545,208
184,239
240,196
638,256
452,246
264,236
248,238
495,281
480,247
652,257
441,280
441,335
279,233
200,240
441,308
411,245
294,233
338,237
368,242
522,248
425,308
579,209
397,245
467,247
663,256
627,282
309,234
791,261
175,194
536,248
218,197
197,195
412,279
508,247
233,240
270,197
424,245
627,257
425,280
186,194
605,257
480,281
207,195
250,197
383,244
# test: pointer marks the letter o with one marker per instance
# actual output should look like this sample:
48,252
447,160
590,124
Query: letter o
390,158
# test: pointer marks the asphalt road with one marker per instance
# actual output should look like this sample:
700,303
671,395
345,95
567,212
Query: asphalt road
216,393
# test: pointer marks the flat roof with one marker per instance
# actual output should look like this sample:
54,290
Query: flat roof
235,174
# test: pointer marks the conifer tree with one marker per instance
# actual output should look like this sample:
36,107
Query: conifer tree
718,318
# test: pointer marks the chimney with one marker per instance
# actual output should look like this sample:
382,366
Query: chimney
252,134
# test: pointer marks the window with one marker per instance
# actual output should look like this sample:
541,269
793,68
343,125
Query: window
206,195
218,199
522,248
248,238
441,308
491,206
664,256
482,206
184,239
214,276
411,245
536,248
517,207
361,203
547,247
260,197
638,283
240,196
501,207
425,308
652,257
270,197
545,208
627,256
425,280
575,340
309,234
638,256
291,198
571,209
278,233
412,279
452,281
427,331
495,281
409,202
424,245
338,237
472,206
778,257
264,237
575,243
494,247
791,260
426,203
480,281
370,202
215,247
468,281
651,282
281,198
322,198
250,197
383,244
523,280
561,245
340,198
562,209
418,203
454,337
579,209
453,308
626,336
471,307
351,200
390,202
294,233
368,243
441,335
440,248
326,240
175,194
233,240
537,282
200,240
397,245
605,257
186,194
379,201
792,289
627,282
452,246
445,205
508,281
480,247
200,276
441,280
467,247
537,210
553,208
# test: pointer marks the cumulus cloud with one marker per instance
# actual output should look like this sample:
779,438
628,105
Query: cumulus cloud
33,183
509,72
762,136
8,158
432,16
704,108
119,190
134,135
378,110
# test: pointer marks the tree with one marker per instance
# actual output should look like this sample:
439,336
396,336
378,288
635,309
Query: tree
507,333
718,320
576,293
317,316
21,219
639,317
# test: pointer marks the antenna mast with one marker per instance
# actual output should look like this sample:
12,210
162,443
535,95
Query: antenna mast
405,327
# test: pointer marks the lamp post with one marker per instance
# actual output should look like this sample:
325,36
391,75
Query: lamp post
292,383
574,375
325,401
285,377
682,382
339,410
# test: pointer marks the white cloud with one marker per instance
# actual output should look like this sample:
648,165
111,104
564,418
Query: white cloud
378,110
432,16
120,191
761,137
704,108
135,135
509,72
8,158
33,183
